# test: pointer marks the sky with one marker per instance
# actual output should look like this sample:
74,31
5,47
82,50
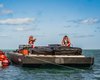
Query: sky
48,21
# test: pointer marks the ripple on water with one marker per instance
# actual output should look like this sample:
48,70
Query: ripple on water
19,73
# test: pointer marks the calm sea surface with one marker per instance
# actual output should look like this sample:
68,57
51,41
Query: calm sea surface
14,72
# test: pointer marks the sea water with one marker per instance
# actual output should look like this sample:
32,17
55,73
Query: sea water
14,72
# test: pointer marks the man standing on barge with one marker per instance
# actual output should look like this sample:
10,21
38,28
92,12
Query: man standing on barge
66,41
31,41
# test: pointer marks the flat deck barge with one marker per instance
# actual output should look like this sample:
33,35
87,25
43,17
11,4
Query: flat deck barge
55,55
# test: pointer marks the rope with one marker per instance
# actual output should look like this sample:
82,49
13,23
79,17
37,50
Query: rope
59,64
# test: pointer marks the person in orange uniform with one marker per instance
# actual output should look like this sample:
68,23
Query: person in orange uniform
25,51
31,41
66,41
3,59
2,55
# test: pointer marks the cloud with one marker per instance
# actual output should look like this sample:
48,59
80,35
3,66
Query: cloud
4,11
70,26
77,35
87,21
90,21
16,21
83,36
24,28
2,35
1,5
7,11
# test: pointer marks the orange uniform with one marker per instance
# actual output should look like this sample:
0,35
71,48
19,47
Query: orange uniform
25,52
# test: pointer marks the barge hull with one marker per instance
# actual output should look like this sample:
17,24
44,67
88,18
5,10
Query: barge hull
38,60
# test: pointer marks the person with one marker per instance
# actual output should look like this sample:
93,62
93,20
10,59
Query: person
25,51
31,41
66,41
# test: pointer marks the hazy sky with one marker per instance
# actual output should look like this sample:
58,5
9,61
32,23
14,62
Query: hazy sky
48,21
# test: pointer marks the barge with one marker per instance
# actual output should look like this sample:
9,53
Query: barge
51,55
